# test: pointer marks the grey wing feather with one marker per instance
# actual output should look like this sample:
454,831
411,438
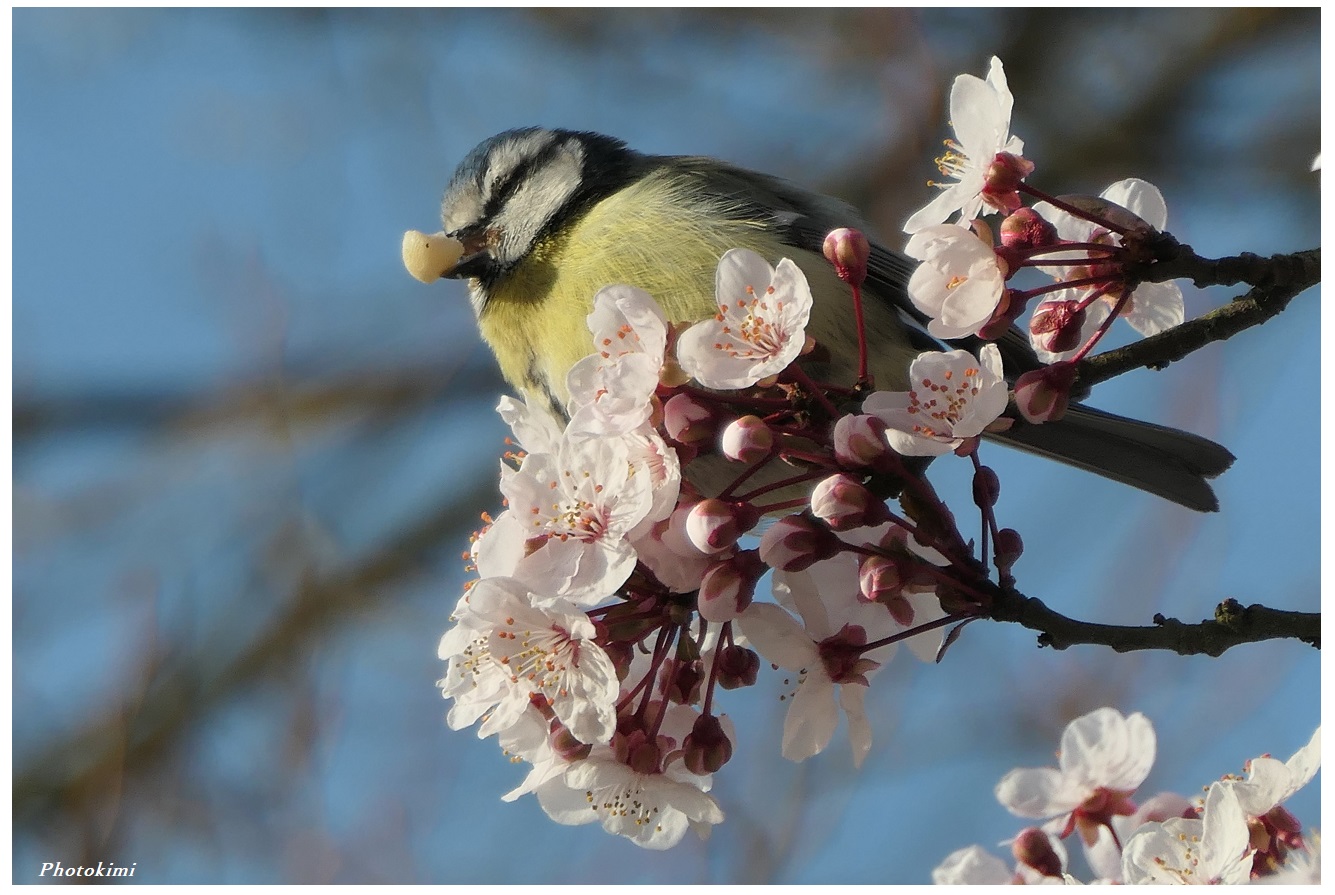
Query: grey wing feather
1167,462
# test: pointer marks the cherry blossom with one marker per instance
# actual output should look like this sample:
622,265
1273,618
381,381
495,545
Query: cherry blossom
972,865
959,283
653,806
760,328
1212,850
610,390
953,398
535,429
1270,782
565,533
1152,307
1103,759
980,113
503,650
826,648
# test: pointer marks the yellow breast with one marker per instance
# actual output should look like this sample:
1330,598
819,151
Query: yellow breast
645,236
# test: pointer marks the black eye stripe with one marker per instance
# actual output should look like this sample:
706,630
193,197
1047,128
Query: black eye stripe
503,190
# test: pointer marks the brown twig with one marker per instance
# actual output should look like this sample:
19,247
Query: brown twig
1233,624
1275,281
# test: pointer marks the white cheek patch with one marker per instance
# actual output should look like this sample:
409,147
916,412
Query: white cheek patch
510,155
542,194
461,209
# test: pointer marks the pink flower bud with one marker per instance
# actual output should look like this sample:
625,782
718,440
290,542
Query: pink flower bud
714,526
683,686
643,754
730,585
986,487
1002,180
1034,849
1025,228
564,744
1008,548
747,440
880,578
707,747
794,543
843,503
737,667
848,250
1057,325
1010,307
688,420
859,440
1043,395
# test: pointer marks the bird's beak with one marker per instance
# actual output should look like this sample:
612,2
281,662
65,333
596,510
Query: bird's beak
476,257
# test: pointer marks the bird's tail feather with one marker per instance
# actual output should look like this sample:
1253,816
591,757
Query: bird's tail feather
1168,462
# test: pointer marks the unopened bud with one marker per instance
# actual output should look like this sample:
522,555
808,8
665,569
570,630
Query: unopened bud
1005,314
688,420
795,543
1025,228
683,687
707,747
737,667
843,503
747,440
714,525
564,744
859,440
986,487
1002,179
1034,849
730,585
848,250
1043,395
880,578
1009,547
1057,325
644,756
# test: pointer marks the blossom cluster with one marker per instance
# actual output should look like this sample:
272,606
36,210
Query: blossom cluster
1095,249
614,600
703,502
1238,831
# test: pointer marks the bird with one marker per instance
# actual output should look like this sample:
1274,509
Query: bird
546,217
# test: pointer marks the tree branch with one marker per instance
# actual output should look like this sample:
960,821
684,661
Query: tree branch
1233,624
1275,281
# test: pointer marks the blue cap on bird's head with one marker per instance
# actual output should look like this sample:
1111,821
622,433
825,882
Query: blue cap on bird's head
519,186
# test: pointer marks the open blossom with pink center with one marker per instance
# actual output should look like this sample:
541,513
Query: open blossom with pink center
610,390
1103,759
953,397
760,328
566,532
653,806
1153,307
826,648
535,429
959,283
980,113
1270,782
1214,850
976,866
504,650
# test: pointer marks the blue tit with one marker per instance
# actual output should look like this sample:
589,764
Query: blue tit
548,217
